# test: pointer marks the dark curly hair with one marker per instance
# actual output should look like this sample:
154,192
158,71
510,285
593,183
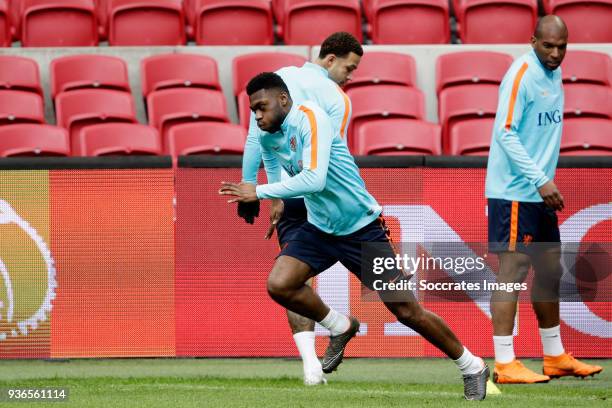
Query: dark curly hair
340,44
266,80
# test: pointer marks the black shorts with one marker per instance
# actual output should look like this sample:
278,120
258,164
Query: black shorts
356,251
521,226
294,216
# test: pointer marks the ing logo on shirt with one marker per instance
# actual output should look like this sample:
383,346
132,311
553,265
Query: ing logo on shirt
548,118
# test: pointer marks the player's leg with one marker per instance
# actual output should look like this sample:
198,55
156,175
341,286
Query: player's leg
287,286
293,217
309,253
358,257
513,268
510,223
429,325
545,301
298,323
302,329
300,260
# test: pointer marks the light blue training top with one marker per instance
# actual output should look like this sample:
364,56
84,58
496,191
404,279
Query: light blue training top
321,169
527,132
310,82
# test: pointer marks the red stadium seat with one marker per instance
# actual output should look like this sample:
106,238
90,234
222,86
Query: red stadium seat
21,107
382,102
146,22
587,137
471,67
278,9
77,109
588,21
496,21
408,21
309,22
33,140
15,7
588,101
385,68
245,67
251,22
119,139
88,71
65,23
178,70
169,107
205,138
6,32
587,67
471,137
463,102
391,137
19,74
102,13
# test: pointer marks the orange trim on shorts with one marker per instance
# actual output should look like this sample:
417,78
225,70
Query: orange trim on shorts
347,109
513,226
387,232
313,140
515,88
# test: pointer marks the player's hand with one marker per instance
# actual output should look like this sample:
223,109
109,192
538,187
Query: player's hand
248,211
551,195
276,212
242,192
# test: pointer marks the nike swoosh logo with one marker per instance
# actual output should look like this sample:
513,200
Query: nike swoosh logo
334,358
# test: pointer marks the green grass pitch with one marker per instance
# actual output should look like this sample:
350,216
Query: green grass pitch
228,383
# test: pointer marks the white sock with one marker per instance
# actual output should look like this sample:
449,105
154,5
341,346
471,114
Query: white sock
335,322
504,349
305,342
551,341
468,363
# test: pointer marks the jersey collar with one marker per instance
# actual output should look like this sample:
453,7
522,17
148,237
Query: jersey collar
317,68
289,118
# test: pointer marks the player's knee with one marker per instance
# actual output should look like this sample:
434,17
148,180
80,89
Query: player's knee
514,267
411,314
517,275
277,288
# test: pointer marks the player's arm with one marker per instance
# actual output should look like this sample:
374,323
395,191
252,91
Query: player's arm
316,133
514,100
251,159
245,192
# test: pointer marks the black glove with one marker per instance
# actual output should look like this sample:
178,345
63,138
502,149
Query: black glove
248,211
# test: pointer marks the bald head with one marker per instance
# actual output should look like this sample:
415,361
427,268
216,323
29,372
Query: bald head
549,41
550,25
